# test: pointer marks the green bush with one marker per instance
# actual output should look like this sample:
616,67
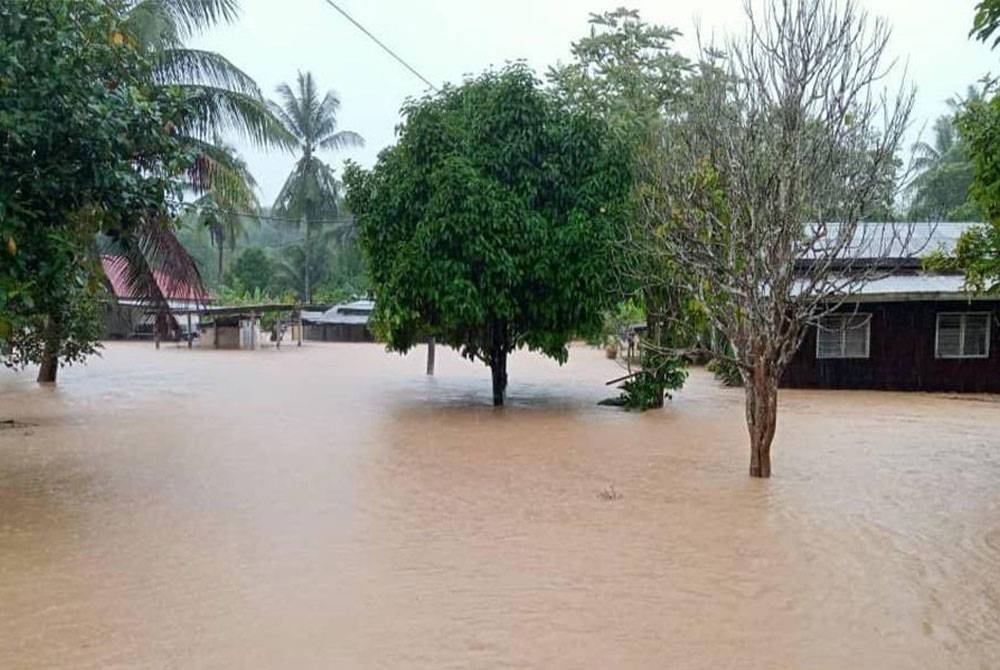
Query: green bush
660,375
725,371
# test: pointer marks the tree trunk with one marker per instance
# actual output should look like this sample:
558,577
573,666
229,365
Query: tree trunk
307,294
654,338
498,366
49,368
762,417
220,259
430,356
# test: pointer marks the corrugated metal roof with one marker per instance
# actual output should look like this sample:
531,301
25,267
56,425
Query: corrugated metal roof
920,283
891,240
355,312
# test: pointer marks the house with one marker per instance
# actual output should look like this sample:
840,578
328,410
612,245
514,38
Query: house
128,316
346,322
910,330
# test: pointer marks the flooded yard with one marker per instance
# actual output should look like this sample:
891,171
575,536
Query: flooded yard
331,506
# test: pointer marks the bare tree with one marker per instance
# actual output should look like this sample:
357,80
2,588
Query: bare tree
784,148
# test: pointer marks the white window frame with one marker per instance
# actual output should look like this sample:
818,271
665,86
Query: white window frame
845,317
961,335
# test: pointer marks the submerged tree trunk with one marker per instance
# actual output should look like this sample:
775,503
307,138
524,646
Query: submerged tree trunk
762,417
498,361
498,366
49,368
654,342
430,356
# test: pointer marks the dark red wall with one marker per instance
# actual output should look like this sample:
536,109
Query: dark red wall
901,354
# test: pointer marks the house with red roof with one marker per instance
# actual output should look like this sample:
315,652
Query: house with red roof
129,316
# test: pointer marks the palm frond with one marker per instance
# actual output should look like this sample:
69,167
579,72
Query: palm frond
217,111
188,17
155,266
196,67
287,119
342,140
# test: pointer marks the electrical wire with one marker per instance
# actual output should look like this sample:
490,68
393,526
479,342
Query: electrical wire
382,44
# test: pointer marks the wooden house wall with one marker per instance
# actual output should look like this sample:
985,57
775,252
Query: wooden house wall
902,353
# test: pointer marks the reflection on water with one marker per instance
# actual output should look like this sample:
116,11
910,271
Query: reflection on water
331,507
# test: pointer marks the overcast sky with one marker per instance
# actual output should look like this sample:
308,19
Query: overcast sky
446,39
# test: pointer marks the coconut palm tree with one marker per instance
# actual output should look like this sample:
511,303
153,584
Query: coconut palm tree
944,171
309,196
227,201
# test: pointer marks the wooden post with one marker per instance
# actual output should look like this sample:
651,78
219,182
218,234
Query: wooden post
190,333
301,327
215,333
430,356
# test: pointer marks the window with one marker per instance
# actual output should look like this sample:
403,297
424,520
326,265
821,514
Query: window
963,335
843,336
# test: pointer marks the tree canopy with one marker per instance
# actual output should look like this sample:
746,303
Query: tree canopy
489,224
87,146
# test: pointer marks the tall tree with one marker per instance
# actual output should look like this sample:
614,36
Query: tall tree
627,72
978,252
940,190
772,166
309,196
228,200
489,224
86,149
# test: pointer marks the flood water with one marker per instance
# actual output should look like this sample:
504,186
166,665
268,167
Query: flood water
331,507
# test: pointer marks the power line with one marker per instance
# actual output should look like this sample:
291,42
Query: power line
381,44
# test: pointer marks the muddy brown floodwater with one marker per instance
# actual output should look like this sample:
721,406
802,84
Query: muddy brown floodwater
331,507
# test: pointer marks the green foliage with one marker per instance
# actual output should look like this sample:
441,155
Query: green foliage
660,374
725,371
625,71
227,202
977,253
941,189
615,320
491,222
86,147
238,296
251,270
986,21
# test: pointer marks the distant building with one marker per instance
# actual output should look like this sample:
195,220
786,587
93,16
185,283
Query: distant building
346,322
910,330
128,316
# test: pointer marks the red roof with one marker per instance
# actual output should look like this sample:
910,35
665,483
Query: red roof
114,268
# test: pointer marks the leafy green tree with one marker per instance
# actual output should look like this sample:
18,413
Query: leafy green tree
87,148
252,270
301,263
490,223
940,191
627,72
986,21
310,194
978,252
